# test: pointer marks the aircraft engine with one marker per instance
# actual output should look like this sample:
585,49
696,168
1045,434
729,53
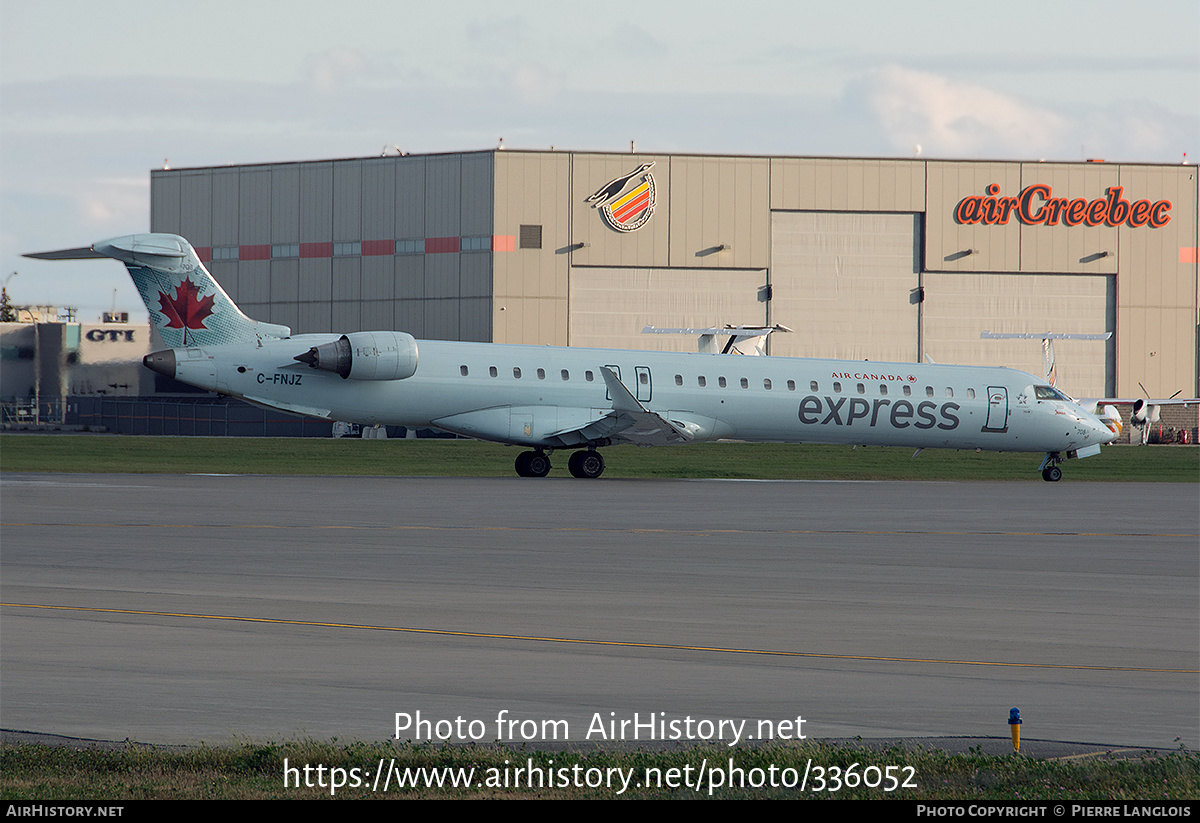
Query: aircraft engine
366,355
1143,413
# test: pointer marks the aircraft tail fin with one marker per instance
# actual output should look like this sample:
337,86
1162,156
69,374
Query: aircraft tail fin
187,306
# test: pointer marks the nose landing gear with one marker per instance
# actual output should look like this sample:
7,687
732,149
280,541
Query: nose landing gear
1051,473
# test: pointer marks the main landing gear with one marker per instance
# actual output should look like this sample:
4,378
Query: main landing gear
1051,473
587,463
533,464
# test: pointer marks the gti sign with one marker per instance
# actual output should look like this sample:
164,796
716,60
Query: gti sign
111,335
1037,206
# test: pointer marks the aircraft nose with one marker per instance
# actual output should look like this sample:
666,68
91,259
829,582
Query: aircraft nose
1104,433
162,362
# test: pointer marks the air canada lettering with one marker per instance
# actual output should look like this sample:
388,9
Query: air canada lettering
862,375
1036,206
844,411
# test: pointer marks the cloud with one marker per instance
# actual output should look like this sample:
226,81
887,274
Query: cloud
953,118
535,85
330,70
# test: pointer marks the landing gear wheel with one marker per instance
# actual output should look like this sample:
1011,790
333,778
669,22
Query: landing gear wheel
587,464
1052,474
533,464
538,463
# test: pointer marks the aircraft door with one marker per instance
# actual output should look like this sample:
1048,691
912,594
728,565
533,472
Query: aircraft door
643,383
997,416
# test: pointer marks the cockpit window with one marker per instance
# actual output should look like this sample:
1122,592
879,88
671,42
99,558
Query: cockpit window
1049,393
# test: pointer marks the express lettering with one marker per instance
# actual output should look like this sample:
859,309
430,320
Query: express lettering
1037,206
844,411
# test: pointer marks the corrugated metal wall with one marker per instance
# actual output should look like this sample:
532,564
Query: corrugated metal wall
611,306
432,245
846,284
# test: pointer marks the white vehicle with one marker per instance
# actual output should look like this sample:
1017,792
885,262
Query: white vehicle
548,398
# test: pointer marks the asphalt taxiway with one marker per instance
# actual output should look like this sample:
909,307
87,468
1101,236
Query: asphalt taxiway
174,609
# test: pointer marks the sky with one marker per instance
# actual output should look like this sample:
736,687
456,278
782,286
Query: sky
93,95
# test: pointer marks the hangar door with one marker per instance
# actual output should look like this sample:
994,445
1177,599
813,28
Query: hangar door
846,284
609,307
958,307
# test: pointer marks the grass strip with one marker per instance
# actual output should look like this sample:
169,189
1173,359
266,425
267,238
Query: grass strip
832,771
467,458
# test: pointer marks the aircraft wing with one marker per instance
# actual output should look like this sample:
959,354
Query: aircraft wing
742,339
632,422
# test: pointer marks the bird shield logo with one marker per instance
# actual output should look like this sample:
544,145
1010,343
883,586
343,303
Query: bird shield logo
627,202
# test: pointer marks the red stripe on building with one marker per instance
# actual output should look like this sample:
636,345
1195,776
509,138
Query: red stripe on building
316,250
504,242
1189,255
633,207
370,247
441,245
204,253
254,252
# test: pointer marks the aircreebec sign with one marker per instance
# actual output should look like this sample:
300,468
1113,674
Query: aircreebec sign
1037,206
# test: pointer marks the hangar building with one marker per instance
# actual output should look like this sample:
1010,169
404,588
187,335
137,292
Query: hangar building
879,259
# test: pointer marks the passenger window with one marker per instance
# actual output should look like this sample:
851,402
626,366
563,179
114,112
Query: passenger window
587,375
462,370
566,375
929,391
883,388
908,391
767,384
679,380
721,382
949,392
516,372
745,383
813,386
541,374
492,371
791,385
837,388
862,389
700,381
970,394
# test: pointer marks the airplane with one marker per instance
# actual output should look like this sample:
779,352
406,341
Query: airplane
547,398
745,340
1102,408
1144,411
1147,411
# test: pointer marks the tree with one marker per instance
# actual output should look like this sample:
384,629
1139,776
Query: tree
7,313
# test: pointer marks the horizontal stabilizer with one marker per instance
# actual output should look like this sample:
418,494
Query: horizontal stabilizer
1042,335
86,253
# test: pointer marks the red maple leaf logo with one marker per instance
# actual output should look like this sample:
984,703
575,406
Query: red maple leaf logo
186,310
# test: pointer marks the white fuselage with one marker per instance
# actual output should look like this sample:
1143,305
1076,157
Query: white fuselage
546,396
